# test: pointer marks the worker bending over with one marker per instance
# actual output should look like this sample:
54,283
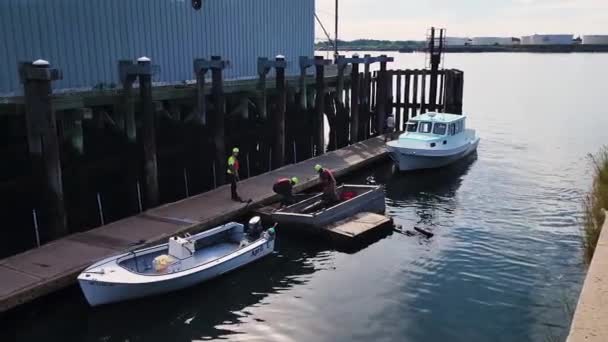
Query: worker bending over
328,183
284,187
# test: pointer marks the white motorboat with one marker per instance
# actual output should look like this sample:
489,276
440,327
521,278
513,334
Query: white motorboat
180,263
433,140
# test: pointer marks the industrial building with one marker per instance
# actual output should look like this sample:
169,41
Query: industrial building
85,39
457,41
493,41
547,39
595,39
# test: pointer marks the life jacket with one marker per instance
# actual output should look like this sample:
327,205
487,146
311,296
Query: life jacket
232,161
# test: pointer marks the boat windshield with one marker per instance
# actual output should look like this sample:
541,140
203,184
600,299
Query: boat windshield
425,127
412,126
439,128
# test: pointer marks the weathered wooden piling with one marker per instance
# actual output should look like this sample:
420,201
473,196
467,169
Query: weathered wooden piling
415,92
435,52
398,104
406,96
217,92
354,99
279,119
263,69
454,81
305,63
366,90
319,133
201,66
126,114
148,132
42,138
423,91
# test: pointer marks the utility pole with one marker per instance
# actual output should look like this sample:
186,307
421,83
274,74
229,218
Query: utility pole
336,34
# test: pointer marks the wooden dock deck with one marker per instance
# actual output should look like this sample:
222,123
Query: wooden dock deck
40,271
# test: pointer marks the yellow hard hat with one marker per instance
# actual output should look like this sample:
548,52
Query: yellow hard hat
318,167
235,150
295,180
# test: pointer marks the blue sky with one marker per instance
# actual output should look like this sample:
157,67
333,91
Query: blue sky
408,19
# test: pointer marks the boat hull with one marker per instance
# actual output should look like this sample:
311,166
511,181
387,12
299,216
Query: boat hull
101,292
371,201
408,159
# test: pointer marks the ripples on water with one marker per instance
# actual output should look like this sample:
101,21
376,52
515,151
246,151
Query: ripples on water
504,265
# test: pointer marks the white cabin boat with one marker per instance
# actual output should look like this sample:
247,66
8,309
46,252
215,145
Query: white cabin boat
180,263
433,140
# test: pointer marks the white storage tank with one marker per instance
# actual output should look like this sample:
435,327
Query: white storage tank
457,41
552,39
492,41
596,39
526,40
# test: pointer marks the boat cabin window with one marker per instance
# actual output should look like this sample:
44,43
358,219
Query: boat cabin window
425,127
412,126
452,129
458,126
439,128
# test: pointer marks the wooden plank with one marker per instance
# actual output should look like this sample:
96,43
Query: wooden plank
423,104
441,92
319,129
354,104
415,94
406,97
398,117
357,225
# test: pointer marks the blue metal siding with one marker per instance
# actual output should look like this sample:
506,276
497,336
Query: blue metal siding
86,38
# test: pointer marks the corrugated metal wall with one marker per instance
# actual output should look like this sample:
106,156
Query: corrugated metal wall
86,38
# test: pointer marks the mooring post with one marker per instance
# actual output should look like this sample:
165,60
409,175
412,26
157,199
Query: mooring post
448,105
127,111
217,91
319,133
435,60
341,116
305,63
366,89
263,69
354,99
279,143
382,94
42,137
201,66
148,132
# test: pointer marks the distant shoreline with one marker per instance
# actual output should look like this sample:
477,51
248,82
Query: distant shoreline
479,49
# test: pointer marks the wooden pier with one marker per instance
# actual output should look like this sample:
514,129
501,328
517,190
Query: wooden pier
55,265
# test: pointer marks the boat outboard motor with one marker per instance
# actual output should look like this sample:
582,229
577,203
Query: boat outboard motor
254,228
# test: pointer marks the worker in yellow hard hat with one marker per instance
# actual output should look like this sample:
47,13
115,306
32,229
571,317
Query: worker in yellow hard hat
232,173
284,188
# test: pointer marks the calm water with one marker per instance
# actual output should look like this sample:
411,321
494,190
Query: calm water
505,263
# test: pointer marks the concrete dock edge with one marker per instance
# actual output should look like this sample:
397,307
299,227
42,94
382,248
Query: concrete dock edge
590,321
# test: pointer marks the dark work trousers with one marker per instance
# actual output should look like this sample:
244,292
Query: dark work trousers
232,180
287,198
